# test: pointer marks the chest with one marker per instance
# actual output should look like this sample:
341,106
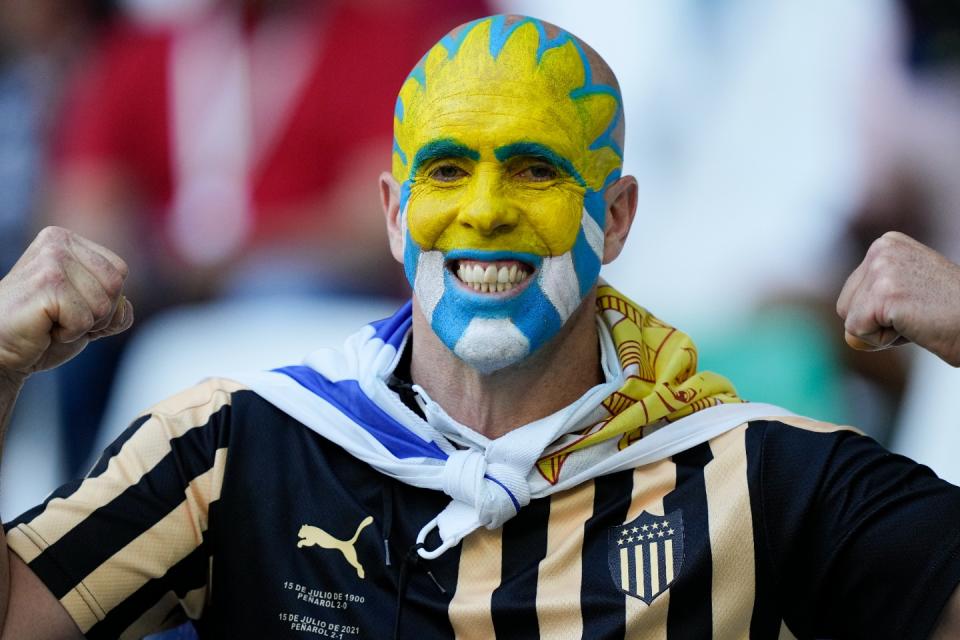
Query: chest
319,548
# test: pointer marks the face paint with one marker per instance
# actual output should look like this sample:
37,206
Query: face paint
503,147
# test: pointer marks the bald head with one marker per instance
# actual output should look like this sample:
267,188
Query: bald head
485,70
600,71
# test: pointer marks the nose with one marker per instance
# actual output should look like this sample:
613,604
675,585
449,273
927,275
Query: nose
486,210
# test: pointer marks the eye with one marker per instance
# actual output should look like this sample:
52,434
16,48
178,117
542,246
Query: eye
537,172
447,173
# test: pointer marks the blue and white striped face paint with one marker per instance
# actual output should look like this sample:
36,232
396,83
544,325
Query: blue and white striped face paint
490,331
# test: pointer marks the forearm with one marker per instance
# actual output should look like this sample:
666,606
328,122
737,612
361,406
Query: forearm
9,391
63,292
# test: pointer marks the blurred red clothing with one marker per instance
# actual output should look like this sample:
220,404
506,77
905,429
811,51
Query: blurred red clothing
120,114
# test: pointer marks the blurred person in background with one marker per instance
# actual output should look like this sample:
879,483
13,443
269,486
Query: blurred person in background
745,138
42,42
228,145
913,155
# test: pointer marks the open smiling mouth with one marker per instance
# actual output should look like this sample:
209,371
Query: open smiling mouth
497,276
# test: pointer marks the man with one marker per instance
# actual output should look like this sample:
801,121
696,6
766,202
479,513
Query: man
519,452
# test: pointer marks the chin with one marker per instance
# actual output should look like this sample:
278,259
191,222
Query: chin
491,344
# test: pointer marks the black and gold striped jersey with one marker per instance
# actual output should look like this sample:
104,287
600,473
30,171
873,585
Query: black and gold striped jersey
219,508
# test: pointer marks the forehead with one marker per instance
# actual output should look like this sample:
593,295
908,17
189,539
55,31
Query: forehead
493,83
500,115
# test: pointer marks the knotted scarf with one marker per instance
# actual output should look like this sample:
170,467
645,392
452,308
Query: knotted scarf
653,404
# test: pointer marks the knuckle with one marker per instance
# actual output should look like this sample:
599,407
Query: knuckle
86,322
101,308
76,321
893,237
880,265
882,246
54,237
53,234
122,269
85,316
852,325
113,283
886,286
859,322
52,277
53,253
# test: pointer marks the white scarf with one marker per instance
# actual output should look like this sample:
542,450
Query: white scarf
343,395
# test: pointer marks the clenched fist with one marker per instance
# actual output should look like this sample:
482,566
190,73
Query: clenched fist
903,291
63,292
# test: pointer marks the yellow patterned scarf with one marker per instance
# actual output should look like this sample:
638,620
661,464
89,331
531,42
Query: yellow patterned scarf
662,383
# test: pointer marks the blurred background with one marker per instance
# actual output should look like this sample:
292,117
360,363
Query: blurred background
229,151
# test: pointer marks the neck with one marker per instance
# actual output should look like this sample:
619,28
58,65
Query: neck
555,376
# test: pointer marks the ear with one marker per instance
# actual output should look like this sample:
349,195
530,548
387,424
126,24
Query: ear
390,200
621,199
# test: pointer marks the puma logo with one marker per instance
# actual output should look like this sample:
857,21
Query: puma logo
311,536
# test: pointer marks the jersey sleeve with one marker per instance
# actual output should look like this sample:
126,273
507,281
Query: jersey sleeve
866,543
125,548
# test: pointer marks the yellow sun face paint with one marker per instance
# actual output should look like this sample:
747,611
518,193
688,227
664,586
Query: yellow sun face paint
496,141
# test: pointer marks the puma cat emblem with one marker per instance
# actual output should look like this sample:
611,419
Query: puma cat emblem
315,536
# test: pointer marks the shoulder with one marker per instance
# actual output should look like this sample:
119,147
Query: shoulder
806,471
790,440
812,457
785,441
208,395
210,415
209,402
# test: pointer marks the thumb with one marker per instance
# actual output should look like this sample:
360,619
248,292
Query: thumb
876,341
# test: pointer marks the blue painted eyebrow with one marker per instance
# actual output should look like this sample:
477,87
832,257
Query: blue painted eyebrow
443,148
541,151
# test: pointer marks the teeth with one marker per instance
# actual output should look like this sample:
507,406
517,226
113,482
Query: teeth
490,278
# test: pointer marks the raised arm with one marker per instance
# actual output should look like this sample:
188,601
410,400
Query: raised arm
63,292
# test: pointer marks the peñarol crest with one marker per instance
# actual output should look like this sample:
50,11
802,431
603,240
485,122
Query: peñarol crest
646,555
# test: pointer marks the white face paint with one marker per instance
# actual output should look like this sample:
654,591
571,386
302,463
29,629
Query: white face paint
490,344
490,333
